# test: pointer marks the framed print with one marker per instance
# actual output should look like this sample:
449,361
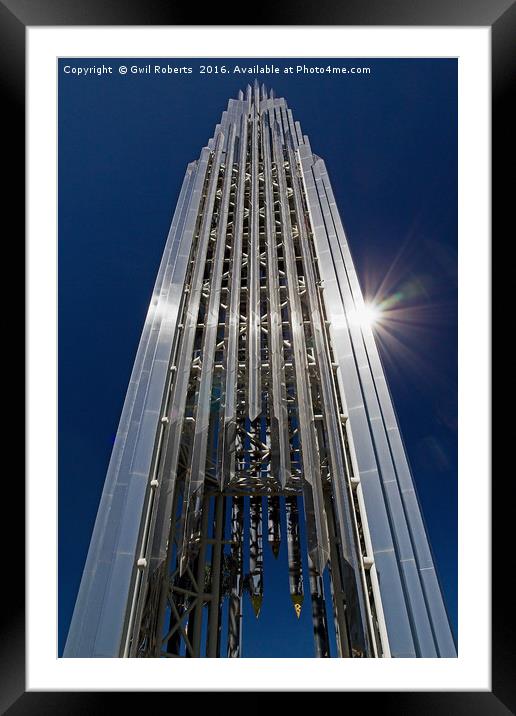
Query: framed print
383,119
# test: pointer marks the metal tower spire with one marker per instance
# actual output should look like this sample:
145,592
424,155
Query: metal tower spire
253,381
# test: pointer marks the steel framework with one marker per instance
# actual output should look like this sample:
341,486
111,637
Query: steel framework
257,406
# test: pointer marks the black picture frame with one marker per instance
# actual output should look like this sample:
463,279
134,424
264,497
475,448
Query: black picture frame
500,16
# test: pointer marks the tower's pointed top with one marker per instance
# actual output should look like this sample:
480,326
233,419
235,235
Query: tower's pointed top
256,96
255,93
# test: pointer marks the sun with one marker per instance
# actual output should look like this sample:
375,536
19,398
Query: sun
366,316
370,315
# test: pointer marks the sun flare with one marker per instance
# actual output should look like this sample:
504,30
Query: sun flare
366,316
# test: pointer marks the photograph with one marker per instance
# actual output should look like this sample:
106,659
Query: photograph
257,296
258,313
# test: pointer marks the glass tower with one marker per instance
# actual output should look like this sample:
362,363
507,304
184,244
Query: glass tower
258,412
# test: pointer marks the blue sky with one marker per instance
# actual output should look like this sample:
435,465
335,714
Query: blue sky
389,140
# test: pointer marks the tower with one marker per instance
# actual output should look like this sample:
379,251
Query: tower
257,417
